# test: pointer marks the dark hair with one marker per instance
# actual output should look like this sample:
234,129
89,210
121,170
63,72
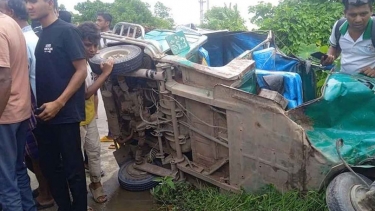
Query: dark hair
19,8
89,31
65,16
357,4
106,16
56,4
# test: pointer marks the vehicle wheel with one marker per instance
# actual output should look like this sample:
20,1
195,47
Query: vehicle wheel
132,59
339,190
134,180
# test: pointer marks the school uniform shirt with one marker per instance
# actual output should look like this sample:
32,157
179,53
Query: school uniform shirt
355,55
59,45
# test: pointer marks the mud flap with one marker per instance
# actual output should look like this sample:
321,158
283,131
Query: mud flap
122,154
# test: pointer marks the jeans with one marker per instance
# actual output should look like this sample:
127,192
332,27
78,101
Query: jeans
91,144
61,162
15,190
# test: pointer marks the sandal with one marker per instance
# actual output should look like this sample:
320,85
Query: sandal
40,206
97,194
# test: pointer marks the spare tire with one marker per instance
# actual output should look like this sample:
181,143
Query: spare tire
339,189
132,179
127,58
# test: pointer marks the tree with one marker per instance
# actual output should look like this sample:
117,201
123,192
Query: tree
163,13
298,23
226,17
133,11
161,10
62,7
88,10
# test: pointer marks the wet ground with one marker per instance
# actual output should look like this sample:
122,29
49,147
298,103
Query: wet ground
118,199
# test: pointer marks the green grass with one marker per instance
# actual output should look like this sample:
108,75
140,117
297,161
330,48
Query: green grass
185,197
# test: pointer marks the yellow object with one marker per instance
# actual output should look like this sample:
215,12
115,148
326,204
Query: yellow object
89,110
204,62
106,139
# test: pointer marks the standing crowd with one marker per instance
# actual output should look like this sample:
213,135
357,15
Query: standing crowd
48,106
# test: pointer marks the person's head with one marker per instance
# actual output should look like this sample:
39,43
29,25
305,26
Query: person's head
90,35
40,9
358,13
65,16
103,21
15,9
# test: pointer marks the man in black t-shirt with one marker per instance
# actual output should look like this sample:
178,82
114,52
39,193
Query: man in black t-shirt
60,75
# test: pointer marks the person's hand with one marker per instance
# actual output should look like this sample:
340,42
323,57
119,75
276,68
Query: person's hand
50,110
328,61
370,72
107,66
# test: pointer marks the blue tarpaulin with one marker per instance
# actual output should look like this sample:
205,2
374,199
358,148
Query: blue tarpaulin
226,46
292,86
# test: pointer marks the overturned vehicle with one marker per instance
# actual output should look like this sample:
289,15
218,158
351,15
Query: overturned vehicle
229,108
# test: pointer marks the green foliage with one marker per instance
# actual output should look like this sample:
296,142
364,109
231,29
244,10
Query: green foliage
304,52
261,11
321,77
166,185
88,10
169,192
62,7
161,10
297,22
133,11
184,197
226,17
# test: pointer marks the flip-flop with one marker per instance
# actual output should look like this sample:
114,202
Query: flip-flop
97,193
43,206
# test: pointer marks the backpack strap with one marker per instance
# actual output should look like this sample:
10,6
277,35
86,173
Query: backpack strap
373,31
337,31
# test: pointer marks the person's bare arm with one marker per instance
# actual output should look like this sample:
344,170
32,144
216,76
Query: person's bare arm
333,54
52,108
106,71
5,87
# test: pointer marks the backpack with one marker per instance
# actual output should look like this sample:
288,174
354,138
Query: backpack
342,21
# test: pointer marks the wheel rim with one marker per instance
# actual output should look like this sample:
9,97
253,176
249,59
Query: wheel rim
359,198
116,54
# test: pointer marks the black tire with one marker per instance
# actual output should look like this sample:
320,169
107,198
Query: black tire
135,182
338,191
130,62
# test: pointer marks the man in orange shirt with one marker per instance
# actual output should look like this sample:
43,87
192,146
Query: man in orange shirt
15,111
